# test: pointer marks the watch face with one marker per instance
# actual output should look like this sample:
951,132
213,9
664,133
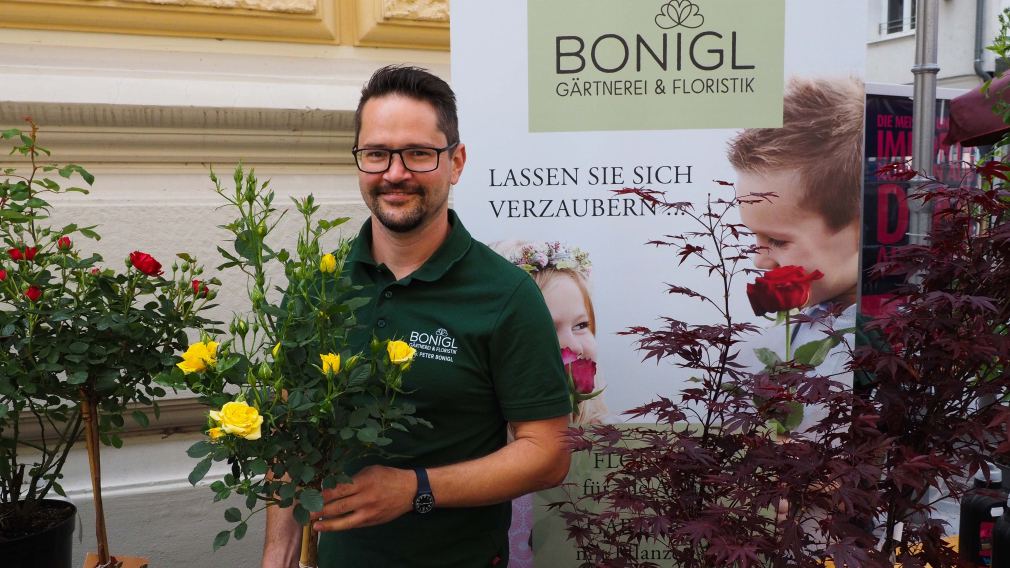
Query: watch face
424,503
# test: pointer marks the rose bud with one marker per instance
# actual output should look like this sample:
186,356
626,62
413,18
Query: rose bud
3,275
200,289
30,253
64,243
15,254
33,293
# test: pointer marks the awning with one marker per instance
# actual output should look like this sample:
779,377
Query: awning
972,119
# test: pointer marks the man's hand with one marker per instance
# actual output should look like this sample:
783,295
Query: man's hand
377,495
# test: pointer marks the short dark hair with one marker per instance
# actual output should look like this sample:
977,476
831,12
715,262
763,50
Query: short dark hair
416,83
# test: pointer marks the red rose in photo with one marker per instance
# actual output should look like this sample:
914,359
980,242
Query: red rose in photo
33,293
145,263
64,243
781,289
583,375
568,356
200,289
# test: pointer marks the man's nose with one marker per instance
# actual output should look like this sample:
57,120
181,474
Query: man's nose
397,169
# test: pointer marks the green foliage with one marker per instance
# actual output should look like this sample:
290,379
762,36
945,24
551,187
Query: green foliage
72,330
317,420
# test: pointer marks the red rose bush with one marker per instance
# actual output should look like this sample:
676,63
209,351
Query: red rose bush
78,343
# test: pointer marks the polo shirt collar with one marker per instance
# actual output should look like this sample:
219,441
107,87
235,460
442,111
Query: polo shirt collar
455,246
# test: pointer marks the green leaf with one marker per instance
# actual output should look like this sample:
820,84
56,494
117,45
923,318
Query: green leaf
815,352
233,515
258,466
368,435
199,471
300,514
311,499
769,358
77,378
240,531
141,418
221,539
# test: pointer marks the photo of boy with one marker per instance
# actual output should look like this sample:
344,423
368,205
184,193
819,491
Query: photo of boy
813,166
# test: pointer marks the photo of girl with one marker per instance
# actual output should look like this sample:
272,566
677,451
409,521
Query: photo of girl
562,274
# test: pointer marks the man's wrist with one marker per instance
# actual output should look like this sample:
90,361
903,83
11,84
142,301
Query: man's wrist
424,499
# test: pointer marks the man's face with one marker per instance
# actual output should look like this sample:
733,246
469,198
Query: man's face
400,199
796,236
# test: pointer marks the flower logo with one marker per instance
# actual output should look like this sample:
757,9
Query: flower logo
679,13
441,332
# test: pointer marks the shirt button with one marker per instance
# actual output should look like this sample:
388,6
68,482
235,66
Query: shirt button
387,294
381,323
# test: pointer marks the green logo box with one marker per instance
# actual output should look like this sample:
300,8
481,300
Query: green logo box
655,64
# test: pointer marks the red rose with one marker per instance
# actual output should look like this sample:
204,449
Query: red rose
15,254
95,271
33,293
30,253
145,263
781,289
583,375
200,289
63,243
3,275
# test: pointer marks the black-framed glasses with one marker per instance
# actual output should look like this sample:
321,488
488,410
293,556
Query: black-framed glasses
418,159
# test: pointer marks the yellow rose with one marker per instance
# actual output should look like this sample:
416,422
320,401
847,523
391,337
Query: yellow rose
400,353
276,351
328,263
199,357
215,433
331,363
238,418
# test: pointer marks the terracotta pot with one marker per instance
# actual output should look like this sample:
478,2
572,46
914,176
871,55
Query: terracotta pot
51,547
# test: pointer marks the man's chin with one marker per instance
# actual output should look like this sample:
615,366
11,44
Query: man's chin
399,223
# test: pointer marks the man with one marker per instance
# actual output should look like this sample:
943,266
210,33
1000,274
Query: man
487,356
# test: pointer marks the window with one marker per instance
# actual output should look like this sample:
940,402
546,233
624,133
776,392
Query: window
899,17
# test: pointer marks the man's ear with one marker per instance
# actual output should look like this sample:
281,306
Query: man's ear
458,160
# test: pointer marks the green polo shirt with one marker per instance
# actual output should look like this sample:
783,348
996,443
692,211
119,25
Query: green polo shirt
486,354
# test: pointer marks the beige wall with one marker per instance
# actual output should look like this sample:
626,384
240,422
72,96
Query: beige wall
148,95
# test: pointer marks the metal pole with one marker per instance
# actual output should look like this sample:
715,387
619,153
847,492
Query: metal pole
923,108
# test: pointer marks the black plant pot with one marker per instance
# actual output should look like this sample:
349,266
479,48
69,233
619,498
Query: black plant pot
51,547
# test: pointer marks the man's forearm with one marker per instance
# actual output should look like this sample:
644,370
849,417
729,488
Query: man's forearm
534,461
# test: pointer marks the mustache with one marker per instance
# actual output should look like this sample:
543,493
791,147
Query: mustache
398,188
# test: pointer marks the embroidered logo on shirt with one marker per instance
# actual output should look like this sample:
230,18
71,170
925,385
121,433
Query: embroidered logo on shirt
437,345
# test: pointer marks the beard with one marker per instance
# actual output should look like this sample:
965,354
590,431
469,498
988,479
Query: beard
400,219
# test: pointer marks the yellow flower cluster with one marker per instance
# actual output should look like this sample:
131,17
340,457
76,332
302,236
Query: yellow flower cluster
237,419
199,357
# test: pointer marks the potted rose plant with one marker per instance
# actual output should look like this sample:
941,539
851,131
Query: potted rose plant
79,343
291,405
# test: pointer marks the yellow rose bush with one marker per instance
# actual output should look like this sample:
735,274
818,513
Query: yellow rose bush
286,394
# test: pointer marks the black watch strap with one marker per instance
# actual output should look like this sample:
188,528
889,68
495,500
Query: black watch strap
424,500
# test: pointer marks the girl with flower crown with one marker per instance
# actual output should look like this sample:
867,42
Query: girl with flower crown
562,273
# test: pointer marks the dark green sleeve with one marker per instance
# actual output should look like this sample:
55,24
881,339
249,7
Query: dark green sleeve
526,368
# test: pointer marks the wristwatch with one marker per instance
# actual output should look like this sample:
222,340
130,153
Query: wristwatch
424,501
